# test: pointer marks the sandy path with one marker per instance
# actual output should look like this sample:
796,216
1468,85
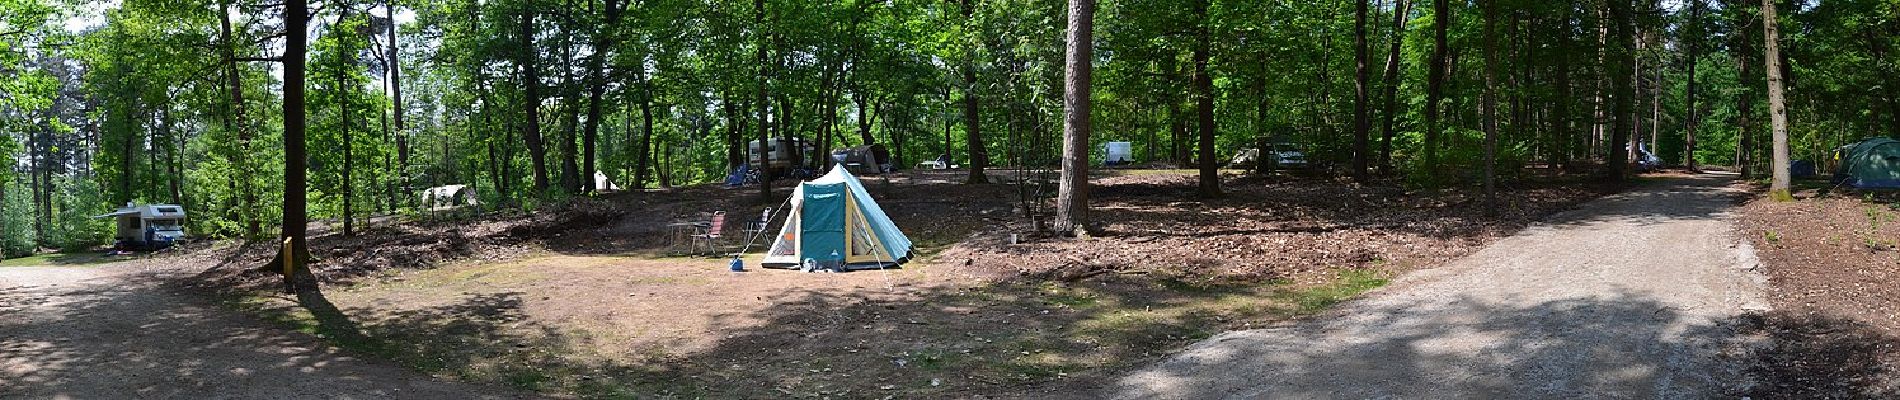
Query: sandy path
107,332
1632,296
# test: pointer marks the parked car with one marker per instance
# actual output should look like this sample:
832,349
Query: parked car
1642,161
1283,155
1289,155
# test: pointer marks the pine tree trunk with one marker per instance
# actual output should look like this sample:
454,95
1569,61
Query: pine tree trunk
1695,55
972,116
295,215
1490,105
1072,192
1399,12
1777,104
1435,83
1361,117
758,21
531,102
1621,76
1204,95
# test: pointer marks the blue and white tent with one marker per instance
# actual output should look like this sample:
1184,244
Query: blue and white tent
833,221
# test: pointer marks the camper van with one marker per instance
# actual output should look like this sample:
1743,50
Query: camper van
784,155
148,226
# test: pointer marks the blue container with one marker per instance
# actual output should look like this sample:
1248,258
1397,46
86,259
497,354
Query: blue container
738,265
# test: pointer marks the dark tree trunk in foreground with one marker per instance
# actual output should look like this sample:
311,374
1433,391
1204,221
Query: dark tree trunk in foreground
1622,71
1695,115
1361,117
296,41
1490,105
758,26
1435,83
1777,105
972,117
343,107
395,89
1204,95
1072,196
1392,84
531,104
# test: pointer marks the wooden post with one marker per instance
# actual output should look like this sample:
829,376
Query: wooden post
290,265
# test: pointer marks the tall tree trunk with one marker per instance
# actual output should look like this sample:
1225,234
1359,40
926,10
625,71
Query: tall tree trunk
571,97
758,21
1361,95
234,121
1399,11
972,117
1622,75
1072,192
396,110
864,116
295,215
1777,105
604,40
1204,93
1490,105
1695,57
342,93
642,164
531,103
1435,83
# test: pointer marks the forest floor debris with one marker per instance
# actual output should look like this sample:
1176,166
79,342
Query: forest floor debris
586,301
1834,268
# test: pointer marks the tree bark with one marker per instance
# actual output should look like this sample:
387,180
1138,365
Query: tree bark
1072,192
1622,75
1435,82
295,216
1695,115
1361,96
1399,11
972,117
234,122
1777,104
531,103
1204,92
764,170
1490,105
395,88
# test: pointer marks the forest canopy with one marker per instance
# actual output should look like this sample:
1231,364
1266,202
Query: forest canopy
184,101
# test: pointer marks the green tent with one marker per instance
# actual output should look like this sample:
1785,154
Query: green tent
833,220
1869,164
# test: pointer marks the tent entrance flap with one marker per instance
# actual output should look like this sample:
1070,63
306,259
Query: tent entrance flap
822,229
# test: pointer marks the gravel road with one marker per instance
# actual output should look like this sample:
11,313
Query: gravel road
107,332
1636,295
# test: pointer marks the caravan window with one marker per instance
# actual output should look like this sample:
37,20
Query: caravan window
168,210
165,224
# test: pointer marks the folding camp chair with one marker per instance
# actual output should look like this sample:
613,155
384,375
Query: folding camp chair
753,228
709,232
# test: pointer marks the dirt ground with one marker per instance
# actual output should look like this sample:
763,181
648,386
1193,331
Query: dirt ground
1634,296
1835,270
111,331
591,300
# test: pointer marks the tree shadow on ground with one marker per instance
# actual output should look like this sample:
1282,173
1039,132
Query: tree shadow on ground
1626,346
116,337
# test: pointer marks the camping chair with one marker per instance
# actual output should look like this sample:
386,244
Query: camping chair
709,232
752,229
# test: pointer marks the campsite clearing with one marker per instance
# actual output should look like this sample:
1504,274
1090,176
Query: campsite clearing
587,302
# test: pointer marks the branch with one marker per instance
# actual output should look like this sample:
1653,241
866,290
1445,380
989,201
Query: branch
261,59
